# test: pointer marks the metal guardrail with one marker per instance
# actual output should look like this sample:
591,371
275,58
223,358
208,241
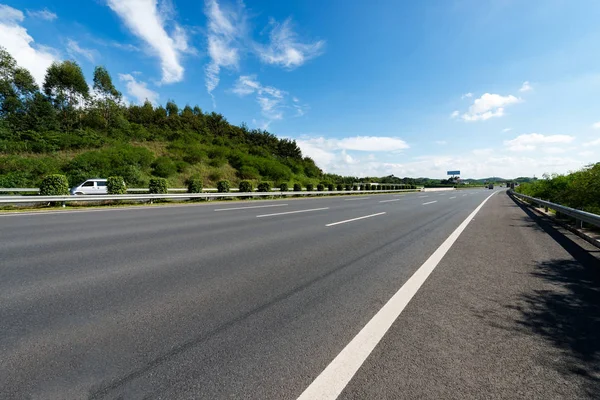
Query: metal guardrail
183,196
580,216
130,190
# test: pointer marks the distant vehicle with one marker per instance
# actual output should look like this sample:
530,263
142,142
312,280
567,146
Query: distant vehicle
491,186
91,186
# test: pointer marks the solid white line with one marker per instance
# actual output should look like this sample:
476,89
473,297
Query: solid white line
360,198
430,202
399,195
423,196
355,219
292,212
244,208
387,201
452,198
332,381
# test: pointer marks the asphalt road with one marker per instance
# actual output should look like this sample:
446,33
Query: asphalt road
255,299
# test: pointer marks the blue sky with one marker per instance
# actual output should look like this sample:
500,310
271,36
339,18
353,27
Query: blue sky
498,87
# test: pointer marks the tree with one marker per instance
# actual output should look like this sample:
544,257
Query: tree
108,97
17,88
65,85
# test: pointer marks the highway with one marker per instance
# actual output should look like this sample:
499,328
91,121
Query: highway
255,299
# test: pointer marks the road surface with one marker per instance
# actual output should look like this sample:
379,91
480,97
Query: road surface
256,299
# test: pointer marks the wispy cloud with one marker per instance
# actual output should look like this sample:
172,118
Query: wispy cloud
487,106
596,125
593,143
224,28
21,46
285,48
526,87
506,130
270,99
44,14
74,49
467,95
441,142
533,141
145,20
138,89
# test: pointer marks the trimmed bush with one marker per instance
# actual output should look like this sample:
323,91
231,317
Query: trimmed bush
354,187
340,187
368,186
320,187
194,185
297,187
284,187
264,187
310,187
54,185
348,187
245,186
158,186
223,186
361,187
331,187
115,185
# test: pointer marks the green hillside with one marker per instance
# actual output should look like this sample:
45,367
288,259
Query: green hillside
82,132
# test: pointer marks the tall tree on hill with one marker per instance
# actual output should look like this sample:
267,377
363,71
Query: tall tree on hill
107,97
65,85
17,90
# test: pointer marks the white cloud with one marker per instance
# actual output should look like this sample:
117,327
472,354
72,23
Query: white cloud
586,153
138,89
596,125
455,114
284,48
73,49
21,45
467,95
44,14
532,141
270,99
488,106
506,130
441,142
327,148
145,21
593,143
224,28
483,152
526,87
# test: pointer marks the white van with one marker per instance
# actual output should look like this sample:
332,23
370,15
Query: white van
91,186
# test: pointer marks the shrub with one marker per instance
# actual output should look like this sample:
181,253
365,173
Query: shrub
264,187
310,187
354,187
115,185
158,186
361,187
348,187
194,185
331,187
297,187
54,185
340,186
368,186
245,186
247,172
164,167
223,186
284,187
320,187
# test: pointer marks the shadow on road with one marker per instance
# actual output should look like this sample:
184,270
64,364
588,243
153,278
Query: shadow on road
568,315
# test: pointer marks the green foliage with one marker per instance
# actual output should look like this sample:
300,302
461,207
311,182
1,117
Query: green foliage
54,185
310,187
223,186
115,185
264,187
348,187
284,187
368,186
340,187
194,185
320,187
245,186
164,167
158,186
297,187
331,187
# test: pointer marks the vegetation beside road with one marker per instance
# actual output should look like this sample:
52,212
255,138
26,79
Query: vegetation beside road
579,189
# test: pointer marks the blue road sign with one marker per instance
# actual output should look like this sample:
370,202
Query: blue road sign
453,172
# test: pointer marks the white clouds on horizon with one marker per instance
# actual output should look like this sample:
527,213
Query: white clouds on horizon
595,142
21,45
532,141
44,14
144,20
139,89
